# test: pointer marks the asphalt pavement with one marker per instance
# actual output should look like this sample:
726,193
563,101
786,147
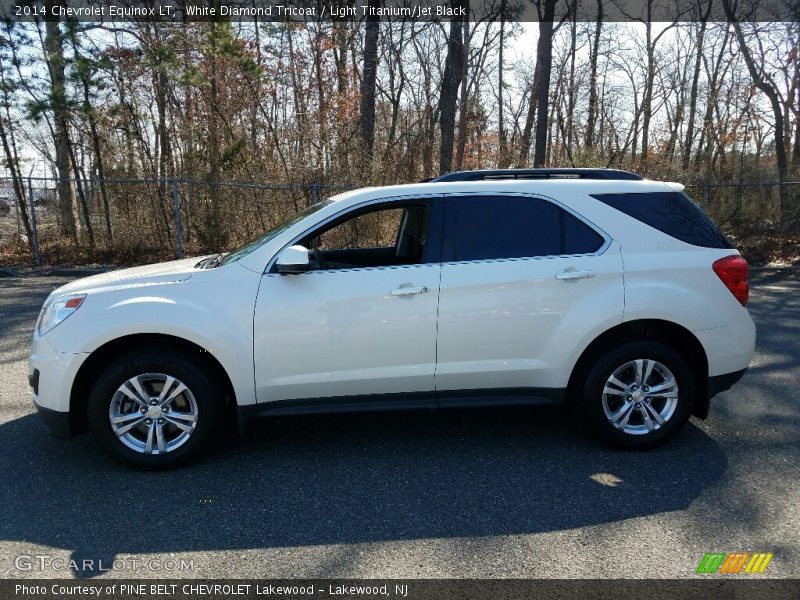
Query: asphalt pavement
462,493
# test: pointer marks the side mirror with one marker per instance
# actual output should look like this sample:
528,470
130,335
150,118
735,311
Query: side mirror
293,259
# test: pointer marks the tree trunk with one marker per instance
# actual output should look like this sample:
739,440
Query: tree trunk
527,132
787,209
713,76
502,160
647,98
17,183
88,112
571,89
449,94
55,63
592,118
84,206
463,120
796,145
687,145
368,81
544,60
765,86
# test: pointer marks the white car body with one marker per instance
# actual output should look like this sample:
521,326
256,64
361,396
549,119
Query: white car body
436,329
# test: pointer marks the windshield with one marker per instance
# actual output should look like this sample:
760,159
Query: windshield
263,239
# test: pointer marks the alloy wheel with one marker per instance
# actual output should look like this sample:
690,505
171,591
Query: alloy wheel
153,413
640,396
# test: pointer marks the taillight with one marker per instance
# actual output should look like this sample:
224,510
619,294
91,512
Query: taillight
732,270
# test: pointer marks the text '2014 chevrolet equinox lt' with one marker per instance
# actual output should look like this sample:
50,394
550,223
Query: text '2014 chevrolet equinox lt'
595,288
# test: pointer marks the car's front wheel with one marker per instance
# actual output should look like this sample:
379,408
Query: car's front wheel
155,409
639,394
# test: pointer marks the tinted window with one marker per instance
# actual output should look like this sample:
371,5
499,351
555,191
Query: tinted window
579,238
672,213
490,227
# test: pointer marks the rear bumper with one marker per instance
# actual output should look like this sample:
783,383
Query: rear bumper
720,383
58,423
715,385
729,348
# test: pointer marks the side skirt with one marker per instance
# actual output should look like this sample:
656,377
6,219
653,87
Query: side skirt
404,401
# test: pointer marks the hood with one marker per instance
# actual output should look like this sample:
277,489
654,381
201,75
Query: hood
167,272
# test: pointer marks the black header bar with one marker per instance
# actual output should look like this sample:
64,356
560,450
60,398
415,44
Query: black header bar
393,10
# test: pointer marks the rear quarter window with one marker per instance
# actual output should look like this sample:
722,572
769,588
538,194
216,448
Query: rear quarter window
672,213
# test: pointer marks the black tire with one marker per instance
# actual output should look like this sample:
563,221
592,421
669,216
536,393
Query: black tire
605,364
194,373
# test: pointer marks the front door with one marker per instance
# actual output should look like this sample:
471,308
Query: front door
363,320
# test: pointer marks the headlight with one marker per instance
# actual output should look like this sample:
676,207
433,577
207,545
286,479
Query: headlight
57,310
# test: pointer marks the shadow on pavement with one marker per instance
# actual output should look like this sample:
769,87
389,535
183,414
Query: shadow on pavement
345,479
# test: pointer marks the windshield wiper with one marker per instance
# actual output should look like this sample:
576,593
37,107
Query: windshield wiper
210,262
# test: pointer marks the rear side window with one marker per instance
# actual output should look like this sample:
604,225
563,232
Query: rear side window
579,238
672,213
495,227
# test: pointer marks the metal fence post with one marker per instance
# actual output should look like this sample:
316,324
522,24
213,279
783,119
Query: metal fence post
315,193
705,197
178,223
36,252
18,209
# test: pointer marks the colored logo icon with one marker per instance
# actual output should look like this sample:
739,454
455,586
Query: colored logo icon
734,563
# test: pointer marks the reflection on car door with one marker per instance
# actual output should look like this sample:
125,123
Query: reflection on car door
514,267
348,331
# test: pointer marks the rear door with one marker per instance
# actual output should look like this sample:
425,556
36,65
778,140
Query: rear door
525,282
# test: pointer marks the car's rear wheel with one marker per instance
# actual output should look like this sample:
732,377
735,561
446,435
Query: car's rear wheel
639,394
155,409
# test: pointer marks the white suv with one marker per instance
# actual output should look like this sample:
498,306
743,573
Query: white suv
593,288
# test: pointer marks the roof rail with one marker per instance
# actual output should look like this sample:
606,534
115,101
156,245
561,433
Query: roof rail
489,174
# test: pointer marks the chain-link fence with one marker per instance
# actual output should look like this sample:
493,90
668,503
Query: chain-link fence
130,221
761,219
134,221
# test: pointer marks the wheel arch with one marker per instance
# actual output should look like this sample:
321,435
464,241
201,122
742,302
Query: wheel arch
667,332
110,351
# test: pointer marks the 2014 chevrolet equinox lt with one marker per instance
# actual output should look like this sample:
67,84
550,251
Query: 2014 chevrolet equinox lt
593,287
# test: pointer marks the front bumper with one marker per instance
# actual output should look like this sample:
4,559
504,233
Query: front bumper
51,375
58,423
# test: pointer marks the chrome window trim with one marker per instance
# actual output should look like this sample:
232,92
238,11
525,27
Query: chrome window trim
607,239
358,269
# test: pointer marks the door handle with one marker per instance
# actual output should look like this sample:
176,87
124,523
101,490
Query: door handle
408,291
572,274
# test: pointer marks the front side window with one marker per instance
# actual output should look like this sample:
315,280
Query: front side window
497,227
378,236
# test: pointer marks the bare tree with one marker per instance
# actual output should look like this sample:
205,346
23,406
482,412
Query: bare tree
367,116
544,62
698,59
54,56
593,55
763,81
453,72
